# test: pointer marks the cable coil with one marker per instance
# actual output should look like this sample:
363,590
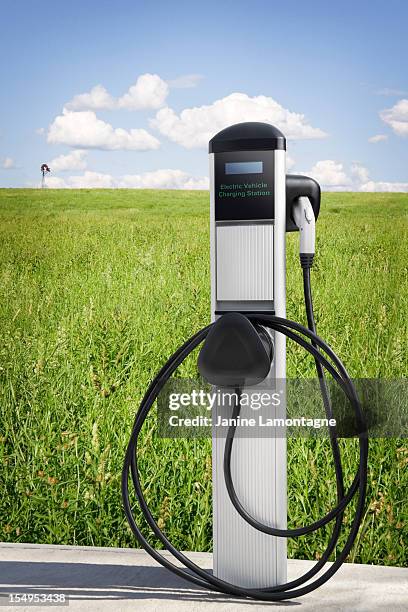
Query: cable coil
325,359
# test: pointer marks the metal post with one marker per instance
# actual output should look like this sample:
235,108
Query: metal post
248,275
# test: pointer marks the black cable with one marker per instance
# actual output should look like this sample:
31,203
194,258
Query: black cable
202,577
333,440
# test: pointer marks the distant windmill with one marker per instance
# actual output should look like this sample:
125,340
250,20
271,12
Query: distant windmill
44,169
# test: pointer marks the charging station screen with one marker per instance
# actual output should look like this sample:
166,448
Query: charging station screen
251,167
244,185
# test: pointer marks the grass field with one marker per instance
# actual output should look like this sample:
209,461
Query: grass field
100,287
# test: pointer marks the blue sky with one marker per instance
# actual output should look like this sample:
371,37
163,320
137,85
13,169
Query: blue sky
331,76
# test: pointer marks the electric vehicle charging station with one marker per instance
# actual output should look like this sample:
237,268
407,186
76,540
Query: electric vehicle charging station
253,204
248,274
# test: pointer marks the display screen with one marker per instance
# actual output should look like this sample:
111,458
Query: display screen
249,167
244,185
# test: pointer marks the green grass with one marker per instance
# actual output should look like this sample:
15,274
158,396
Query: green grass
99,288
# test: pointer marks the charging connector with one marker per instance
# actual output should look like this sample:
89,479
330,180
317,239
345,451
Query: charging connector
304,218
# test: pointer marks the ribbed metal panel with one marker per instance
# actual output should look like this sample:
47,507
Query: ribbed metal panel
243,555
244,262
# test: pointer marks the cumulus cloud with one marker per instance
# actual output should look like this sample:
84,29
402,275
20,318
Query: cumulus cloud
84,130
164,179
328,174
194,127
76,160
397,117
332,177
92,180
158,179
366,184
8,163
384,186
56,182
378,138
149,91
98,98
331,174
185,81
360,173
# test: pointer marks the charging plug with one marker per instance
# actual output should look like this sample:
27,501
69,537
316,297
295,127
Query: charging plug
304,218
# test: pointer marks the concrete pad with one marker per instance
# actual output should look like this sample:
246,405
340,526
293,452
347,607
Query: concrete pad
124,579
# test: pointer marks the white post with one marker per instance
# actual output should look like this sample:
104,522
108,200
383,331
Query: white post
248,275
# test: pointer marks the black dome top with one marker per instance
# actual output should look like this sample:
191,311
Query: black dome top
249,136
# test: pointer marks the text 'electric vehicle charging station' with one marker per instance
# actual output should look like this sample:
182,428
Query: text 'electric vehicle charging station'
253,203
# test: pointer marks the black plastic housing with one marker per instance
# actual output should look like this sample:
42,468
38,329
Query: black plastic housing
297,186
253,140
235,353
249,136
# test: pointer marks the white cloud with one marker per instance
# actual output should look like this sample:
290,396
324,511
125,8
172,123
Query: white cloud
384,186
332,177
185,81
364,183
329,173
72,161
195,126
96,99
84,130
40,131
8,163
149,91
378,138
88,180
397,117
360,173
55,182
164,179
177,179
158,179
92,180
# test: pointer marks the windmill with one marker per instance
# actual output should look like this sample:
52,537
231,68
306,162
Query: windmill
44,169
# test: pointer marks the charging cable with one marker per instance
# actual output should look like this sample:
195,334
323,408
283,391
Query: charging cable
325,359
